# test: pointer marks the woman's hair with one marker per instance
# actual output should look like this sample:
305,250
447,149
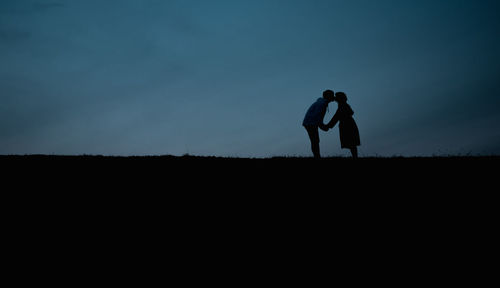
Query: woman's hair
341,96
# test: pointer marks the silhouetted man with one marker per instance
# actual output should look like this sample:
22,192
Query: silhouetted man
314,120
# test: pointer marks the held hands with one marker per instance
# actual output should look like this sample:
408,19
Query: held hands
326,127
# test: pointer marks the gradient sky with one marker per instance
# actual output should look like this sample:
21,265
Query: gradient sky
235,78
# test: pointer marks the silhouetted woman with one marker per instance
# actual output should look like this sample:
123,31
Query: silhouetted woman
348,130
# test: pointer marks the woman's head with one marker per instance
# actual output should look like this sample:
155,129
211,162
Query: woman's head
340,97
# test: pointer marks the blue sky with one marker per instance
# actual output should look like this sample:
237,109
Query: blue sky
234,78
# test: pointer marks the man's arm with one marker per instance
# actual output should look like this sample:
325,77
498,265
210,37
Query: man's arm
322,126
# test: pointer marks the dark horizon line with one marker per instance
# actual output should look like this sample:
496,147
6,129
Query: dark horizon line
186,156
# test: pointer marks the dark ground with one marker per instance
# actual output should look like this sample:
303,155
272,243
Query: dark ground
271,178
365,188
220,220
333,175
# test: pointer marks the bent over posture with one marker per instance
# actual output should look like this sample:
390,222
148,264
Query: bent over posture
314,120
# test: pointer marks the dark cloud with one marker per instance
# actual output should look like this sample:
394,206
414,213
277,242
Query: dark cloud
13,35
43,6
11,7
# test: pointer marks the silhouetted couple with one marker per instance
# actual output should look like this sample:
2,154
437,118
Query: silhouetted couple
348,130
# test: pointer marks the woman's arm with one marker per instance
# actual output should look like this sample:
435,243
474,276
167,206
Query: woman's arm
334,120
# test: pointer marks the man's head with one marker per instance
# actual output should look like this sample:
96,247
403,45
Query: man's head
329,95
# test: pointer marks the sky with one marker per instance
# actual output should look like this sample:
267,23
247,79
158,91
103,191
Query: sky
234,78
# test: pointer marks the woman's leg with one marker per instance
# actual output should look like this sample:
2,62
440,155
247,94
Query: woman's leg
354,152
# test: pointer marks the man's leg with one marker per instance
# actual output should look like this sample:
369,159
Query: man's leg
314,137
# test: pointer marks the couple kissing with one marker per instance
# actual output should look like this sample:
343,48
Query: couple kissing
348,130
